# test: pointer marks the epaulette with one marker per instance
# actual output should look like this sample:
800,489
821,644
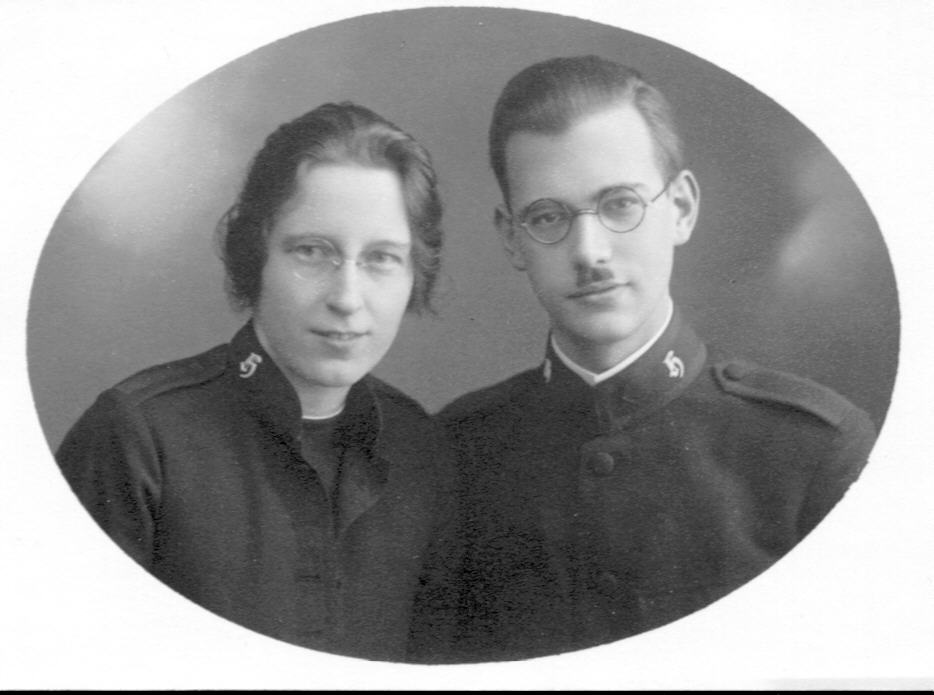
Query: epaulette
161,378
759,383
491,399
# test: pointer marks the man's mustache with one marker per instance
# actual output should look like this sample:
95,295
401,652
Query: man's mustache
593,275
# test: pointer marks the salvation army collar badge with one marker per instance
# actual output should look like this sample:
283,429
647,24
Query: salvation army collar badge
249,365
674,364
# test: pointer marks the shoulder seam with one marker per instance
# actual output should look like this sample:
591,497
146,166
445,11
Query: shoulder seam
751,381
162,378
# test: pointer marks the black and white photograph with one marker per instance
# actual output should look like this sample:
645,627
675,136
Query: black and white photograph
462,347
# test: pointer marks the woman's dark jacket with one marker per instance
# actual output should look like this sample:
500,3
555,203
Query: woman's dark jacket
195,469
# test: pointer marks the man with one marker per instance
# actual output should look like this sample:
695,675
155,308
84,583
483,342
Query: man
272,480
636,476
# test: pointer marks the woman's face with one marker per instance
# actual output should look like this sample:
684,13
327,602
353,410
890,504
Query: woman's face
338,276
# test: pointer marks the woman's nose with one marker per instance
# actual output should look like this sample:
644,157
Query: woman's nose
345,294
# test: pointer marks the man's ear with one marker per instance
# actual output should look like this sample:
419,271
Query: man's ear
685,194
507,234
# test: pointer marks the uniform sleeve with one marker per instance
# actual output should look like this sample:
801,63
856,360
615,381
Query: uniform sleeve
433,632
855,437
111,463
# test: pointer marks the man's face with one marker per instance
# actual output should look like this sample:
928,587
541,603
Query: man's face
606,293
327,326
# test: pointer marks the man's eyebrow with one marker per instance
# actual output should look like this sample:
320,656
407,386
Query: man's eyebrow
391,243
638,186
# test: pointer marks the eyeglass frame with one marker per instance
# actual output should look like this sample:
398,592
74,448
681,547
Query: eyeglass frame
337,260
572,213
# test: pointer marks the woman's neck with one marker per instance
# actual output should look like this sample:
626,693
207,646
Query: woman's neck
321,403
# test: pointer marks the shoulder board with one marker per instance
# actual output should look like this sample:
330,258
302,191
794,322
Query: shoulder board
162,378
759,383
490,399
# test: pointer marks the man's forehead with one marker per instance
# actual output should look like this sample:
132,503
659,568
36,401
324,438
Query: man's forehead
618,120
610,145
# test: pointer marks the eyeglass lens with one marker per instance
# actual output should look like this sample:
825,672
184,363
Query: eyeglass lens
619,209
317,258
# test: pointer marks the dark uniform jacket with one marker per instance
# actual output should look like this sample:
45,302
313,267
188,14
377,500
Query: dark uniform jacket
596,513
195,469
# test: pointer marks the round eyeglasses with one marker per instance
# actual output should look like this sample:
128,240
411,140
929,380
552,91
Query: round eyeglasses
318,258
620,209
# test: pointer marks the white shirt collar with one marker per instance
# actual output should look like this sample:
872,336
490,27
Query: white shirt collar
594,378
318,418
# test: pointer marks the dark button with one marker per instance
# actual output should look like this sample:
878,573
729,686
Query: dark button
601,463
607,582
735,371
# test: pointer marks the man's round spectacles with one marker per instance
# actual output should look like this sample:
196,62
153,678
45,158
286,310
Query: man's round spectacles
620,209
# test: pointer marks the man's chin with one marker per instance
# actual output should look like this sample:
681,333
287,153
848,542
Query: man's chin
606,333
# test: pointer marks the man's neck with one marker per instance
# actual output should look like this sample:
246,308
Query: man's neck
595,377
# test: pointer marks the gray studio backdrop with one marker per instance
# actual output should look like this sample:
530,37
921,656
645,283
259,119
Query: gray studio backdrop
786,266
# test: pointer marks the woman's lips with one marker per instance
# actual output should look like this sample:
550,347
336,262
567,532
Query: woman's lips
340,337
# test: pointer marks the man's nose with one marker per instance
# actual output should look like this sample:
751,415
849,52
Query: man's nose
345,294
589,240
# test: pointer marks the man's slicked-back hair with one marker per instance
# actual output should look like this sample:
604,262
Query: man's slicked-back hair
548,97
330,134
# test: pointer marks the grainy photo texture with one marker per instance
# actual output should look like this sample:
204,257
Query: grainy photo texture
463,335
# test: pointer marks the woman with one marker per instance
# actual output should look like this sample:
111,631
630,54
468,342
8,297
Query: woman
272,480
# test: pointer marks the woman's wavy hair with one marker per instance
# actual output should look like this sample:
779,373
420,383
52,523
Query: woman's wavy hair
330,134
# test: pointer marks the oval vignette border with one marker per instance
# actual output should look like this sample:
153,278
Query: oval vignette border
825,522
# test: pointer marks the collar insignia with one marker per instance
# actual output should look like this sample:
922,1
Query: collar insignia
674,364
249,365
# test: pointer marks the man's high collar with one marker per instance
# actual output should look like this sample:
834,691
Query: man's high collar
594,378
666,368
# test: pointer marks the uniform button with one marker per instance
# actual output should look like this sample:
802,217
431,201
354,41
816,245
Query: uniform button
601,463
735,371
607,582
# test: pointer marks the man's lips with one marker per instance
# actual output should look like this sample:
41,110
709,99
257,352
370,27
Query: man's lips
596,289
